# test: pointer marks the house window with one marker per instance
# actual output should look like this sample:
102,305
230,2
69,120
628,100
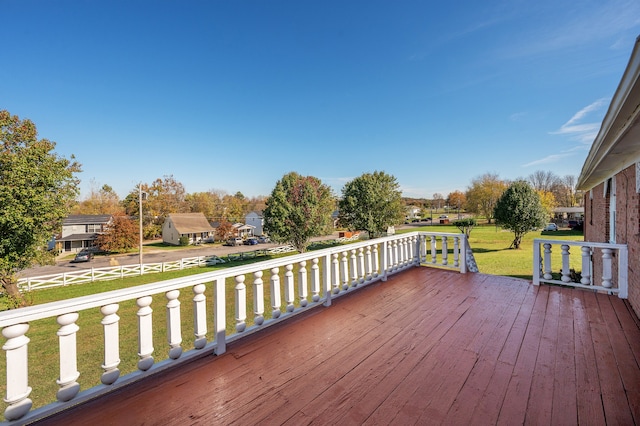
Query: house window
94,227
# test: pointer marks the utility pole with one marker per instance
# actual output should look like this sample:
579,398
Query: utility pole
140,214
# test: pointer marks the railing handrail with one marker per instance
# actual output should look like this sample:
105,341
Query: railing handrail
580,243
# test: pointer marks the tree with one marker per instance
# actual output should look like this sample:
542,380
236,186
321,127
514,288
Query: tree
483,194
438,200
465,225
519,209
456,200
548,201
224,231
101,201
371,203
37,188
121,235
298,208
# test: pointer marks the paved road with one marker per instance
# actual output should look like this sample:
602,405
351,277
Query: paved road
150,255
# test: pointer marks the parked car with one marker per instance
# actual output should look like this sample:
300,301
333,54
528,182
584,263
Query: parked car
251,241
263,239
83,256
551,227
237,241
443,216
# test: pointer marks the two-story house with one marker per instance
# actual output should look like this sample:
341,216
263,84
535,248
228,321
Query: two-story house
80,231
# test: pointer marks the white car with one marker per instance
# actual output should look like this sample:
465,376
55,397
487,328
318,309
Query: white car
551,227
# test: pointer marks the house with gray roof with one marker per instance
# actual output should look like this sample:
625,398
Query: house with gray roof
80,231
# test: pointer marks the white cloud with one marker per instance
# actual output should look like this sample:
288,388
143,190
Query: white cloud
548,159
583,132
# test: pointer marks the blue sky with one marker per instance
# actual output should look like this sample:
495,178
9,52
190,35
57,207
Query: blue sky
233,95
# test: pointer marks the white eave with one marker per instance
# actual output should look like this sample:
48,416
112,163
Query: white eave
617,145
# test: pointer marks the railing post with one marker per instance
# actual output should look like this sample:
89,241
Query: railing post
385,260
606,268
18,389
434,249
456,251
67,333
327,268
586,265
315,280
302,284
344,267
547,261
145,333
258,298
276,301
445,250
241,303
289,295
566,271
199,316
110,322
369,265
335,273
463,254
354,268
361,271
174,326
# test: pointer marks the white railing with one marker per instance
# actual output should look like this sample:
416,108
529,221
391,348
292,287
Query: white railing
576,268
304,281
113,272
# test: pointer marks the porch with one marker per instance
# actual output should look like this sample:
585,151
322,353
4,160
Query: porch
428,346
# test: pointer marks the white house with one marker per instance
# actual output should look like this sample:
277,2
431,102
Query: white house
194,226
256,220
80,231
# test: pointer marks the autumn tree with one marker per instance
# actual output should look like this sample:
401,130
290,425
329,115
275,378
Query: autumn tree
121,235
371,202
456,200
202,202
224,231
438,200
99,201
235,207
519,210
37,188
298,208
548,202
483,194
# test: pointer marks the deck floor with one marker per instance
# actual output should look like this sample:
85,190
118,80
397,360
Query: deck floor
426,347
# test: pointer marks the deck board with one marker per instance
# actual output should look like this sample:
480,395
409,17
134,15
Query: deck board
428,346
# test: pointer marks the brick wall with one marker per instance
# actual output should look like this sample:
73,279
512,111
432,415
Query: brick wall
596,227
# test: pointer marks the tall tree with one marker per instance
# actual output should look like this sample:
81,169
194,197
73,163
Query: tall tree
37,188
371,202
438,200
543,180
483,194
519,209
298,208
456,200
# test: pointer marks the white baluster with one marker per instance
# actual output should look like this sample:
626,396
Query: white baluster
361,272
67,334
241,303
394,254
315,280
434,249
289,295
423,248
18,389
456,252
335,267
547,261
445,250
220,315
368,264
376,261
275,293
302,284
258,298
145,333
345,270
174,325
586,265
606,268
354,268
566,272
110,322
199,316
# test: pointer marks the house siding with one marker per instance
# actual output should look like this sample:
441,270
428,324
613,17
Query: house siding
627,226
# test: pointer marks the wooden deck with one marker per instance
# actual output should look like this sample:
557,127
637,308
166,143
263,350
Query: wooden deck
426,347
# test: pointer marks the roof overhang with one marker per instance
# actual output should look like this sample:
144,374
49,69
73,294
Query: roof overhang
617,145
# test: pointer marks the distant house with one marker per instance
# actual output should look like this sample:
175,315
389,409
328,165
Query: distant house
413,212
610,177
256,220
243,230
194,226
80,231
564,214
